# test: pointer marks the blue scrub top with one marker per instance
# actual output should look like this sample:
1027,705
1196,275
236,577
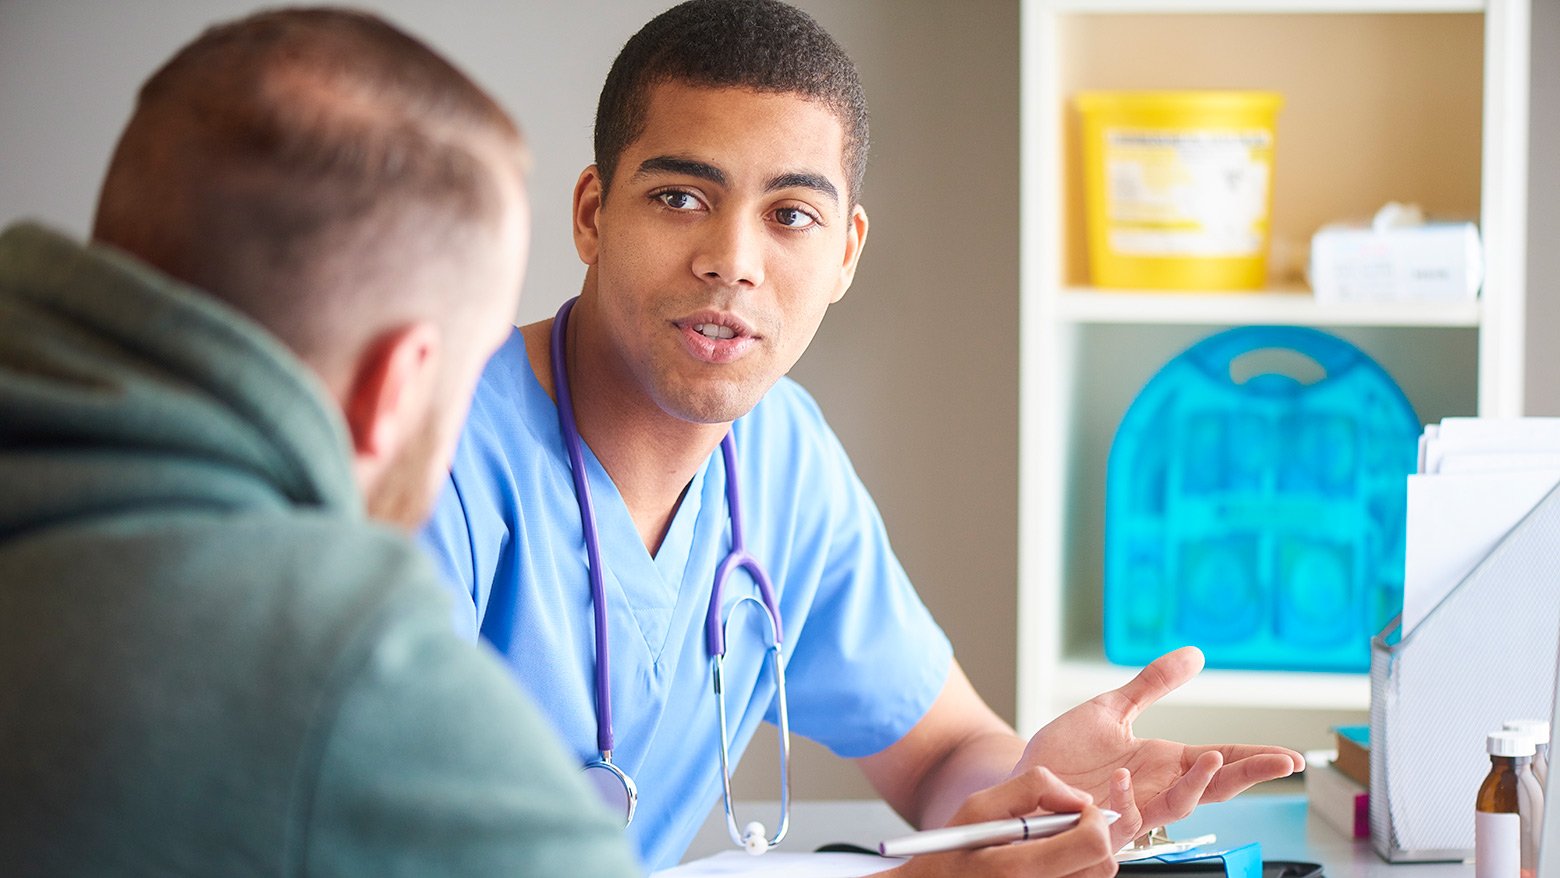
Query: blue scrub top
864,658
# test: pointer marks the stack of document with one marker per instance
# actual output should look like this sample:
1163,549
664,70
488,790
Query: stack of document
1478,477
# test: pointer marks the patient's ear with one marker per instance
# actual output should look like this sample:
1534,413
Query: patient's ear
390,390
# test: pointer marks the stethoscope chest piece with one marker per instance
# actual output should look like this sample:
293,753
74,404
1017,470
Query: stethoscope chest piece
614,786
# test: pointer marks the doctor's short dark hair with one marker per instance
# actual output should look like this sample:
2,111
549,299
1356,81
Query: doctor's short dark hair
758,45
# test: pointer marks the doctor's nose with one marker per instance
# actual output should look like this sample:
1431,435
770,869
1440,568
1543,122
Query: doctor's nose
732,253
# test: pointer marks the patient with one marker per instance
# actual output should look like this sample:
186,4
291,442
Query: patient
219,654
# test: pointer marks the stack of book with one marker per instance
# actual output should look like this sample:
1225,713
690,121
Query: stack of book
1337,782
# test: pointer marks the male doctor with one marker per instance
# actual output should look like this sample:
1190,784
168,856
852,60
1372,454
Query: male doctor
718,223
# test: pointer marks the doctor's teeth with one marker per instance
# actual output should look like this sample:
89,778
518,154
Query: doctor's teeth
710,330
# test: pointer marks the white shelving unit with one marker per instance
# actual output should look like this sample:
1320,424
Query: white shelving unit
1407,100
1081,305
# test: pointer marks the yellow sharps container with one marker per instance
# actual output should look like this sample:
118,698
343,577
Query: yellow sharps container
1178,188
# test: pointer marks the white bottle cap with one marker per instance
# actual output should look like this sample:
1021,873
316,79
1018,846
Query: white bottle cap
1509,743
1536,729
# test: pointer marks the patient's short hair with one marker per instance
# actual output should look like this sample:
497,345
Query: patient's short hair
759,45
296,163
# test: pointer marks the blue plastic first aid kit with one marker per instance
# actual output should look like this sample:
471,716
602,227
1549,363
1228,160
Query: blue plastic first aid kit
1255,502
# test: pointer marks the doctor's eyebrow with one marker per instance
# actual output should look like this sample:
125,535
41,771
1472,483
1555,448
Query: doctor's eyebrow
670,164
802,180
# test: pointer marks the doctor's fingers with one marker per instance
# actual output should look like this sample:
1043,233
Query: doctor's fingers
1031,790
1241,773
1182,797
1085,851
1159,678
1121,798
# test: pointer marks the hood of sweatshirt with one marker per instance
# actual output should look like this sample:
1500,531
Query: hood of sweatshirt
123,389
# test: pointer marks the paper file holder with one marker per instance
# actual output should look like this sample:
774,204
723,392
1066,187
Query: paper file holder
1484,655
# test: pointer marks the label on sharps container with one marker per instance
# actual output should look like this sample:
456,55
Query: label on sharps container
1497,845
1187,193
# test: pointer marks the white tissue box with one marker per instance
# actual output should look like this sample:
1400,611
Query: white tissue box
1434,262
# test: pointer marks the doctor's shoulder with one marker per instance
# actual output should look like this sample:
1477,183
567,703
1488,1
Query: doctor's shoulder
788,434
508,438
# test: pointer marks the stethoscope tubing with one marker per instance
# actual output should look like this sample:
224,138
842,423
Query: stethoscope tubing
598,588
715,635
738,557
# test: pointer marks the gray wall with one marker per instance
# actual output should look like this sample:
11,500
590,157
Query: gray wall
916,368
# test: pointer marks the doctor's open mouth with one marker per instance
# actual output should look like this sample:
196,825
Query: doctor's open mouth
715,337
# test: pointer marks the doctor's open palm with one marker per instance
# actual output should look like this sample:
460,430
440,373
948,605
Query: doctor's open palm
1150,782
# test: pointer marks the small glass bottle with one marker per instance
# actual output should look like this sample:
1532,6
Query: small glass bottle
1538,730
1532,780
1499,851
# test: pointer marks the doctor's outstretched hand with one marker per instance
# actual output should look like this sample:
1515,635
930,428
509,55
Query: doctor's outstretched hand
1151,782
1084,851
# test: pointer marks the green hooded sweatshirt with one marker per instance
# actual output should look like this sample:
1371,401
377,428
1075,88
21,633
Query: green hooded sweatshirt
211,662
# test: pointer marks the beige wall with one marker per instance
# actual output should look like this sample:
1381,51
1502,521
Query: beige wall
917,367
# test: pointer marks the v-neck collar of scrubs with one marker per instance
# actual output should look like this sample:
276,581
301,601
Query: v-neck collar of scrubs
651,588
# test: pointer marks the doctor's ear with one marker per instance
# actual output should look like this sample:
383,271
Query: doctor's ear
855,240
390,390
588,196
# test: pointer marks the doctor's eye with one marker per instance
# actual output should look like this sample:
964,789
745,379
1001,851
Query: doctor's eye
678,199
795,218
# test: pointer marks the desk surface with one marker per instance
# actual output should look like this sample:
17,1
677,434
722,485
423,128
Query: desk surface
1280,823
1288,832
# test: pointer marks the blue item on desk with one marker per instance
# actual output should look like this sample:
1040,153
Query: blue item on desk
1223,864
1255,504
1244,861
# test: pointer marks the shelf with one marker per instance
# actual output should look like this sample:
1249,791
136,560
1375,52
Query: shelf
1087,305
1077,680
1244,7
1418,100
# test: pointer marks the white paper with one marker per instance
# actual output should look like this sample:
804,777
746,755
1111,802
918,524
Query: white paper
1454,520
1490,435
1500,462
776,863
1478,478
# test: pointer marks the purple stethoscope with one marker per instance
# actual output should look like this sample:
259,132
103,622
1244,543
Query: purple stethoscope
614,784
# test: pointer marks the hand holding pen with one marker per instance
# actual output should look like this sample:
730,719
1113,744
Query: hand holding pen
1082,851
968,836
